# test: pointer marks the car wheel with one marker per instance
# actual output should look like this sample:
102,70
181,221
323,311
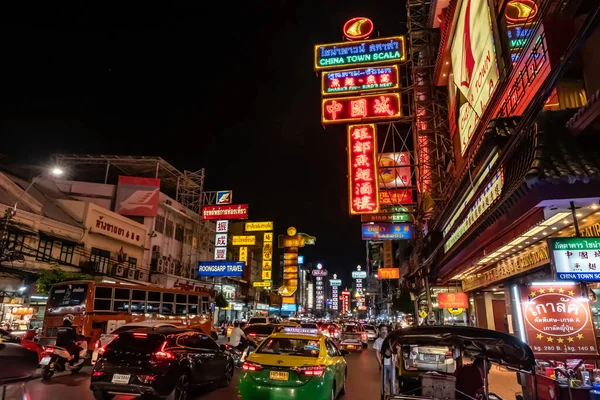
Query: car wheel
343,389
228,375
98,395
182,388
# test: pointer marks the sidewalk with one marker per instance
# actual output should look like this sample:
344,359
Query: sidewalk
504,383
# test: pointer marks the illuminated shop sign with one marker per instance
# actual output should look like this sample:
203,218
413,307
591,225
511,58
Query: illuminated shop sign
361,108
396,196
520,10
388,273
576,259
490,194
394,170
358,28
225,268
398,217
360,80
366,52
233,211
474,63
362,172
248,240
384,231
258,226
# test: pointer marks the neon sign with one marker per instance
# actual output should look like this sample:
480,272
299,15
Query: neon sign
365,52
359,80
358,28
520,11
361,108
362,169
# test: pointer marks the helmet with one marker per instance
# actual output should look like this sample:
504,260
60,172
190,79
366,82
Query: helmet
69,317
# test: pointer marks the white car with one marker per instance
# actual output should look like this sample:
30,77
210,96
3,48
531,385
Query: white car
432,358
371,332
106,338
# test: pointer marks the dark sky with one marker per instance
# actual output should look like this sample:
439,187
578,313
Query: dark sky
226,86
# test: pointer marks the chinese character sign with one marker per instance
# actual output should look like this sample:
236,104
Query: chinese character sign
366,108
222,226
558,320
244,254
362,170
576,259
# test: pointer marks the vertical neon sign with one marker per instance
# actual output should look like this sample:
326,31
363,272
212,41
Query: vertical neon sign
362,169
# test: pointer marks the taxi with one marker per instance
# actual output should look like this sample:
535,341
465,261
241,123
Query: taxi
296,363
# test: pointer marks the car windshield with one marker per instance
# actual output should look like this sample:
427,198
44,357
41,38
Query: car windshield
309,326
259,330
369,327
257,321
132,343
290,347
351,329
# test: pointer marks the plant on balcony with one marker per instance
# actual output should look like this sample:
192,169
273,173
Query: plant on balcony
221,301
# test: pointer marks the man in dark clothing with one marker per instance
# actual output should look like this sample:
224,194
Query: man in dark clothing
470,379
66,337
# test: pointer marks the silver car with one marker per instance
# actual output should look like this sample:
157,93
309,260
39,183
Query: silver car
371,332
432,358
106,338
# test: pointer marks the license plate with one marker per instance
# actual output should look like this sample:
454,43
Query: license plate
120,379
279,375
350,346
45,361
431,357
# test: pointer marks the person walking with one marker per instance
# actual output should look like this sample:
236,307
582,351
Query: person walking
384,362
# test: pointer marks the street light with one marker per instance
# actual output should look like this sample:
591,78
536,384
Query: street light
56,172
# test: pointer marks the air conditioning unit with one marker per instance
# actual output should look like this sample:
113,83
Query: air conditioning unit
160,268
130,273
141,275
120,270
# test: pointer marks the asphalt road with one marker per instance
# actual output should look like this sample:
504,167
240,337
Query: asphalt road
362,383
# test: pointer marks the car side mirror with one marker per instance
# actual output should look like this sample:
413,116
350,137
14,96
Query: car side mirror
223,347
345,353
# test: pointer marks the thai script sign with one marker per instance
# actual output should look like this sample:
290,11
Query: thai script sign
453,300
112,226
248,240
528,259
385,231
362,169
360,80
490,194
220,268
359,274
388,273
232,211
576,259
558,320
258,226
335,282
365,52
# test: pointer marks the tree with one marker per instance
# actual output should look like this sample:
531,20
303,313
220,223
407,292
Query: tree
403,303
56,275
221,301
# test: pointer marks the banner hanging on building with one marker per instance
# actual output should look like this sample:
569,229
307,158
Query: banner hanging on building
453,300
576,259
232,211
220,268
385,231
137,196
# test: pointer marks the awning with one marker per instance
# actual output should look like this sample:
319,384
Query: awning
60,237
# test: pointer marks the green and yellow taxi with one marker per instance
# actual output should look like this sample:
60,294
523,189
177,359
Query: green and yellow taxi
296,363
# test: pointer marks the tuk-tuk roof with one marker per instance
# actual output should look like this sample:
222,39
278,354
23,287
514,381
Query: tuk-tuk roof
497,346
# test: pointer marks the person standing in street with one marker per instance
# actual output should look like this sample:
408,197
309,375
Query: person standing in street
385,362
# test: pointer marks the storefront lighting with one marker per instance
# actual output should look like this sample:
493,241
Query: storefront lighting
565,283
579,215
517,301
554,228
565,222
594,206
22,288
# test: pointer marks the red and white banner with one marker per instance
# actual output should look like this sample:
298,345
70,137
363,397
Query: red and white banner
232,211
137,196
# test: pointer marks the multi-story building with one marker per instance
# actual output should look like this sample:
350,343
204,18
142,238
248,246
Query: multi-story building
518,80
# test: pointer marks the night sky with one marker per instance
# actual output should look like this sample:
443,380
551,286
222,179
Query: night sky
225,86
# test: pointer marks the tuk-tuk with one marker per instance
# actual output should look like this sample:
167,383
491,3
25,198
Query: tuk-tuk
424,359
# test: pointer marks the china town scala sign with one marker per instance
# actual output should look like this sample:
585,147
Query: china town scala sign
558,320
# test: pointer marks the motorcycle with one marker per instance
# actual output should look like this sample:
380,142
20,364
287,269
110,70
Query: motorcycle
240,356
56,359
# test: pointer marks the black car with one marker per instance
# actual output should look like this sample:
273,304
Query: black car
154,363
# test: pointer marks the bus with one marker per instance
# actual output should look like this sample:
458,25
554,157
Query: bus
102,307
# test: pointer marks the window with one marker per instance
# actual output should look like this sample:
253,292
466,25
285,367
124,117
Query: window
205,304
44,251
290,347
169,229
187,237
66,253
132,262
102,298
179,232
192,304
153,296
102,257
332,350
15,241
159,224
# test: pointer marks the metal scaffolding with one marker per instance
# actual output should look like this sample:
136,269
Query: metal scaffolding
189,190
433,147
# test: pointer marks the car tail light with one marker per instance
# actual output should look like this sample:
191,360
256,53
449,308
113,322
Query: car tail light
140,335
146,378
250,366
363,335
162,354
97,373
448,355
101,350
252,334
313,370
49,349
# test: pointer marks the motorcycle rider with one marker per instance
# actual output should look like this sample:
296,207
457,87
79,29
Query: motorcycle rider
66,337
238,338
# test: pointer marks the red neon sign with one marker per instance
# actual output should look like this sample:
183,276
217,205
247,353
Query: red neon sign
358,28
394,197
363,195
230,211
361,108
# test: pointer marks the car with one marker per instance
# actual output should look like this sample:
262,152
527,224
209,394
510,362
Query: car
309,325
297,363
9,337
261,320
260,332
371,332
158,362
353,337
431,358
106,338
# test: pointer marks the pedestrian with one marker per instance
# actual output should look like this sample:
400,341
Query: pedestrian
470,379
384,362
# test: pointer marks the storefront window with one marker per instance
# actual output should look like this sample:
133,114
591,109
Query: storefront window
66,253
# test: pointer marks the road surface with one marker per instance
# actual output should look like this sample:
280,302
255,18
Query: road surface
362,384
